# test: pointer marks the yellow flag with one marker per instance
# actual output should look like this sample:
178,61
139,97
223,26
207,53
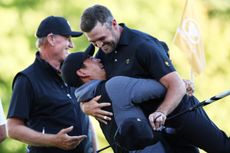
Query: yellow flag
188,38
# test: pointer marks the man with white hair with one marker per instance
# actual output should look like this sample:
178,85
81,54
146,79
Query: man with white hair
43,112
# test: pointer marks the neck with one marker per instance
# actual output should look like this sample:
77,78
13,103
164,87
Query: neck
49,59
120,30
86,80
118,33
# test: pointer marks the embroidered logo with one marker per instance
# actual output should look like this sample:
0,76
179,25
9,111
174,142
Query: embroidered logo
127,61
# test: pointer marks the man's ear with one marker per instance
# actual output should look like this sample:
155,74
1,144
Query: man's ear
81,73
114,22
50,39
115,25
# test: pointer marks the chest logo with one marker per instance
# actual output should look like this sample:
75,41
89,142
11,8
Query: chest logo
127,61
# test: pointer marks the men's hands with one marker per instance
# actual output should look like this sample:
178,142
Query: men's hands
189,85
64,141
157,119
94,109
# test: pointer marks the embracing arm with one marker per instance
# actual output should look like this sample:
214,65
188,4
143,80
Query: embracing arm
175,92
19,131
94,109
153,58
149,89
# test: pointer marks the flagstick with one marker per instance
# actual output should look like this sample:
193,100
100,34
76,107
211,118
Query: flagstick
191,75
192,78
181,20
185,6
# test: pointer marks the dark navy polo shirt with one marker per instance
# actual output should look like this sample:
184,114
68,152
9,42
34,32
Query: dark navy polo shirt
137,55
46,103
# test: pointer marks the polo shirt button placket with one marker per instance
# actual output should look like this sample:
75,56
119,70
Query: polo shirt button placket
69,96
67,90
115,52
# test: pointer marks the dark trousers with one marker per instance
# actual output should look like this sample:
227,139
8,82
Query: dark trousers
196,128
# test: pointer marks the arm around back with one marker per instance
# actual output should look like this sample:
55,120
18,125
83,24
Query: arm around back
175,92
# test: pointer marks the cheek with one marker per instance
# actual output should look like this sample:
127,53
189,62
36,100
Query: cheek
95,69
64,44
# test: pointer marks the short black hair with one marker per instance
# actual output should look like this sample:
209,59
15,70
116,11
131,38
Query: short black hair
94,14
74,62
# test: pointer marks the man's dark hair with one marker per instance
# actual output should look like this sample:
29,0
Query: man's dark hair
94,14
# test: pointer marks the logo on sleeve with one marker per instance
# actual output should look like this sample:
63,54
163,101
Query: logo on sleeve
167,63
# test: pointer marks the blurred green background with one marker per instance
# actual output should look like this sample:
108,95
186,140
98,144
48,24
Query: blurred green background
20,19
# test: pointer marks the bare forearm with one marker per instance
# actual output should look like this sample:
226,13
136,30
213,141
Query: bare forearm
29,136
175,92
172,100
19,131
2,132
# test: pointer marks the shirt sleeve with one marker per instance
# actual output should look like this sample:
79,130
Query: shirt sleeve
21,100
153,58
2,115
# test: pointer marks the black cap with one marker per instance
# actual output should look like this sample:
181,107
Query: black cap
74,62
135,134
55,25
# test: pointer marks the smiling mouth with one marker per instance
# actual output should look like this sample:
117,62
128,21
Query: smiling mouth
102,66
106,46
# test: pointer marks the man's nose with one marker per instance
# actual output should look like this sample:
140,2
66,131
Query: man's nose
96,59
99,44
71,44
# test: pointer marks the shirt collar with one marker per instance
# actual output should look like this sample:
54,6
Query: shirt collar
124,38
45,64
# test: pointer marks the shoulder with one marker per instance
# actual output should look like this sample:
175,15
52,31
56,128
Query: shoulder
151,47
142,39
145,43
23,76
